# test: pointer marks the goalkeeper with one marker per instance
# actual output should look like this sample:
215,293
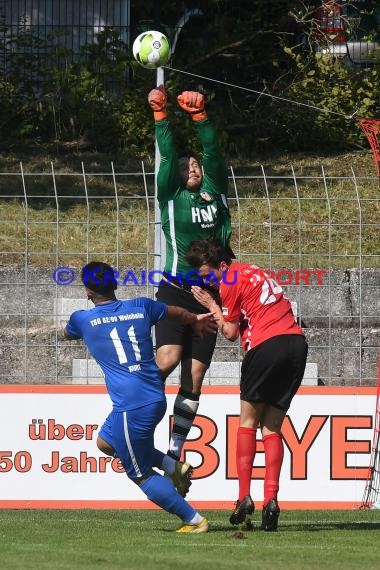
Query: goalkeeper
193,205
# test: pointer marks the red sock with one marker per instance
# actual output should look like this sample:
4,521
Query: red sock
274,454
245,454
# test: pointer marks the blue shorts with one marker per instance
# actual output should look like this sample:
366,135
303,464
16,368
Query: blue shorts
131,434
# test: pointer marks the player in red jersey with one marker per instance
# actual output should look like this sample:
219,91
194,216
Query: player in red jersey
255,306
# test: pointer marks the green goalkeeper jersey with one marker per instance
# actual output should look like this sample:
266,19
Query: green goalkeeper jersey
186,215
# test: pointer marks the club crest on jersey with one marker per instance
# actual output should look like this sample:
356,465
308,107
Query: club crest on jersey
225,311
206,196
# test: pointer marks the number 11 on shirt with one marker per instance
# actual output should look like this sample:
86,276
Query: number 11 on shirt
121,354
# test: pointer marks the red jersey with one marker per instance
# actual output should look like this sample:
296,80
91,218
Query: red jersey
258,302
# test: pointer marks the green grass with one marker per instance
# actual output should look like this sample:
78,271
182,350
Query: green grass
298,227
142,540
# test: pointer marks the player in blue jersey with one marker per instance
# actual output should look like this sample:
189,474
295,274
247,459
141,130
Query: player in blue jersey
117,333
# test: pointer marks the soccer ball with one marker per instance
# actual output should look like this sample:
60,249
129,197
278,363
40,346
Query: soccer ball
151,49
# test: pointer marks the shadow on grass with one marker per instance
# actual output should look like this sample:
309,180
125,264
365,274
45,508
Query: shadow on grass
308,527
297,527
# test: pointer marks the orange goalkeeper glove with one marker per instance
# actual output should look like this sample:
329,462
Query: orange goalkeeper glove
157,99
194,103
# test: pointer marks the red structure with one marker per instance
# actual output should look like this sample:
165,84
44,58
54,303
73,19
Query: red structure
329,23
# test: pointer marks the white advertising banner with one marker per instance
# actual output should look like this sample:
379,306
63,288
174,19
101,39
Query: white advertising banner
49,458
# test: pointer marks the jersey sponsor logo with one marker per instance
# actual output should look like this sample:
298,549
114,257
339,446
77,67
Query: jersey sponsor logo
208,215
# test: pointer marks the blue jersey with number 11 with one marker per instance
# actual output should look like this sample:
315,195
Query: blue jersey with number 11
118,336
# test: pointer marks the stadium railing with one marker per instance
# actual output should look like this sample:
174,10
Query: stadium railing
317,234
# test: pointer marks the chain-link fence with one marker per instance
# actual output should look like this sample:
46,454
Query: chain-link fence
75,22
317,235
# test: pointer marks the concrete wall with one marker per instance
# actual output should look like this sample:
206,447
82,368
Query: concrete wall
340,318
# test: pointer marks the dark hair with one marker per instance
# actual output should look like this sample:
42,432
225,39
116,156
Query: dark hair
209,251
188,153
100,278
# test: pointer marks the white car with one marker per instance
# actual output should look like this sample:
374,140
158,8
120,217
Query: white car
356,52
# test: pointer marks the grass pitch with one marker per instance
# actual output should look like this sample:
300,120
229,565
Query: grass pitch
144,540
284,220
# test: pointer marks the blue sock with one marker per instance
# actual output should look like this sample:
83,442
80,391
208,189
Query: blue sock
161,491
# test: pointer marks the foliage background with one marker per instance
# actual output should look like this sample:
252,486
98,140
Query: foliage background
237,53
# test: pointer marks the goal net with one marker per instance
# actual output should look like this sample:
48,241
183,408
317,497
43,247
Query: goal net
371,129
371,497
